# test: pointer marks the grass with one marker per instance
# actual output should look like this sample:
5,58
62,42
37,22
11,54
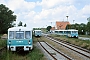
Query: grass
35,54
1,35
87,36
2,43
82,43
44,30
3,55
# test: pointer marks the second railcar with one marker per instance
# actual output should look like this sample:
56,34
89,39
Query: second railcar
69,33
37,33
72,33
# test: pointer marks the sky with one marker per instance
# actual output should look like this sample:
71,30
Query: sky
42,13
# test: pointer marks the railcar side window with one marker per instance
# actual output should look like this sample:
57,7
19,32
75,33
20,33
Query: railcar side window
11,34
27,34
19,34
69,32
60,31
37,31
65,32
56,31
74,31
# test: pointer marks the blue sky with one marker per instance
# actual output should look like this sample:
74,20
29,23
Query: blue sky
40,13
33,0
79,4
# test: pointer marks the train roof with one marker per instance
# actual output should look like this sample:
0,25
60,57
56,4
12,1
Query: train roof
67,30
72,30
37,30
19,28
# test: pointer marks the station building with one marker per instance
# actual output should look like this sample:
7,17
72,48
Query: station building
60,25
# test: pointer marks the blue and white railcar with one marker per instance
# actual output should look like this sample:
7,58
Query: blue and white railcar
19,38
72,33
37,33
60,32
69,33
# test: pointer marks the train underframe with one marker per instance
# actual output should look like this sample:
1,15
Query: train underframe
20,47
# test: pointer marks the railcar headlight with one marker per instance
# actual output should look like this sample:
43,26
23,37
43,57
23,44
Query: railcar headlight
9,42
29,42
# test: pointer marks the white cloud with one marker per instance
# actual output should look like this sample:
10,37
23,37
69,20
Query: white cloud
52,11
86,9
30,15
20,5
53,3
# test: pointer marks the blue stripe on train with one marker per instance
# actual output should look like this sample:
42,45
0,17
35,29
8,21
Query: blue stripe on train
19,42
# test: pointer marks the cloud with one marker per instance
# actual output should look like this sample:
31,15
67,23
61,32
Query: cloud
86,9
20,5
49,11
51,4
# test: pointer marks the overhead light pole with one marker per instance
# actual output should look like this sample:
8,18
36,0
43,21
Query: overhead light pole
67,25
73,23
67,17
51,24
67,21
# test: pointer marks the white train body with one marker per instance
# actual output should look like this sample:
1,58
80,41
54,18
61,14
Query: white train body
19,38
37,33
69,33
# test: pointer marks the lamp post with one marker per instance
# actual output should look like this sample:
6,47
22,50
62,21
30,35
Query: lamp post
73,24
51,23
67,25
73,21
67,21
67,17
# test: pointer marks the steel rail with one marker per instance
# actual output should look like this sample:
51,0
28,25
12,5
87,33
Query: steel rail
46,50
70,48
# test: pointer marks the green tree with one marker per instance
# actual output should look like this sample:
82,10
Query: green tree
88,19
76,26
82,28
6,19
25,25
68,26
20,24
88,28
73,26
88,25
48,28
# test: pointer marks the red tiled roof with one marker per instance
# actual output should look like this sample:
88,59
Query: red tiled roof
61,24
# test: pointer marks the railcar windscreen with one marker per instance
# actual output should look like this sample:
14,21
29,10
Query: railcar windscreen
56,31
74,32
19,34
11,34
27,34
69,32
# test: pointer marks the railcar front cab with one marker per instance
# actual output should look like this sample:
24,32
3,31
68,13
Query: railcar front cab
19,40
73,33
37,32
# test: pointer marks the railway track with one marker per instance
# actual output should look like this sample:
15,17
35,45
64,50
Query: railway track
73,45
77,49
54,53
